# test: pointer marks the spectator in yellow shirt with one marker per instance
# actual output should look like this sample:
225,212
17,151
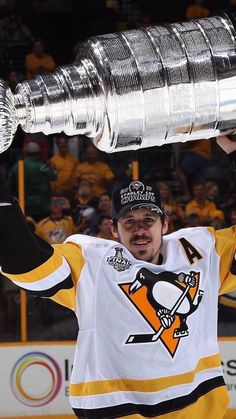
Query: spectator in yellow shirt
98,173
200,205
64,163
38,62
57,227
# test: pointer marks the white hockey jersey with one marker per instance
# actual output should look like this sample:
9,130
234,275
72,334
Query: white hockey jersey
147,343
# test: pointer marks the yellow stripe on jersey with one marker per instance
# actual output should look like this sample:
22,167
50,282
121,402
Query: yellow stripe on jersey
110,386
42,271
225,247
202,408
72,252
69,252
66,298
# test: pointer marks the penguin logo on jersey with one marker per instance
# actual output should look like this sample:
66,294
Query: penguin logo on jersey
118,262
165,300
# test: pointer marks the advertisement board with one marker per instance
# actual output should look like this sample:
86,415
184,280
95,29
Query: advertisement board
228,357
35,378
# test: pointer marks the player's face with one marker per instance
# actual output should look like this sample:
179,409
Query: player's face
140,231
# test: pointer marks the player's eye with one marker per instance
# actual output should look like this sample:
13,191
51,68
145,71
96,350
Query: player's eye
149,220
129,221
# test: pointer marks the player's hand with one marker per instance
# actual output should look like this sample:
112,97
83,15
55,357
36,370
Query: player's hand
165,317
226,144
190,280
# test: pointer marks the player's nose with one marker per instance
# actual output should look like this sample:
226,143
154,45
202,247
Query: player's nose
139,227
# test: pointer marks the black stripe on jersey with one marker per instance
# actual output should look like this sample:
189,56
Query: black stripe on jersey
20,250
50,292
151,410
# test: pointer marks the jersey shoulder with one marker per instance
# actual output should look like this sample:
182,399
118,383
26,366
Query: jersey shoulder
91,242
189,232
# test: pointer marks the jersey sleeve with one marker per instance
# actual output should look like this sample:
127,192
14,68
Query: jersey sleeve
34,265
225,246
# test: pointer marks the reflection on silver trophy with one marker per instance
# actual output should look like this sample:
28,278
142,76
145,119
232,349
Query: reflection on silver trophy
135,89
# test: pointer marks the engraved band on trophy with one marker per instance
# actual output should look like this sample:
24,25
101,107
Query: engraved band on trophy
135,89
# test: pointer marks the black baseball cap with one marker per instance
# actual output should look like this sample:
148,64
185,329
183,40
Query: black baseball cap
134,195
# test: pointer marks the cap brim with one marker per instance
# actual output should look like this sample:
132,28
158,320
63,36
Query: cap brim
131,207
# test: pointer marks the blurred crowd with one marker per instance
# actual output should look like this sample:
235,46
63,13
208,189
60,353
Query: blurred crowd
35,35
68,184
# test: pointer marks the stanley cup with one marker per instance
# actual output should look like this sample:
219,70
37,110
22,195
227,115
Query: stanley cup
135,89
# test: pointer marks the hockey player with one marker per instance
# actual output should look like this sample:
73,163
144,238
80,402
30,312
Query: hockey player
147,306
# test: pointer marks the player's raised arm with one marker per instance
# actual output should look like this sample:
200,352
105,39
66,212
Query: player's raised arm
20,250
30,262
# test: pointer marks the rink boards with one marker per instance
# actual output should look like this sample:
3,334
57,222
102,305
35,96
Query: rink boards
35,379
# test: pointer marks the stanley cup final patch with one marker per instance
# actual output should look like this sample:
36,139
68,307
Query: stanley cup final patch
118,261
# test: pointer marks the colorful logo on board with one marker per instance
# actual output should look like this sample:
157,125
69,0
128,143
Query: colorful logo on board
36,379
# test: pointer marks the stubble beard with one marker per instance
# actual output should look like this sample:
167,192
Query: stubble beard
141,254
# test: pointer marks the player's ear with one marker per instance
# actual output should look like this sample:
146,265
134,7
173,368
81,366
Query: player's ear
113,227
165,224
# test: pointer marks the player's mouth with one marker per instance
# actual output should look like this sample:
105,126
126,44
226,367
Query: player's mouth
141,243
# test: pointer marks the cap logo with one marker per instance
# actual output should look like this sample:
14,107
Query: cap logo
137,191
136,186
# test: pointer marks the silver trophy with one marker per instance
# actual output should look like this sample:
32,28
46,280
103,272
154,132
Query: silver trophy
135,89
